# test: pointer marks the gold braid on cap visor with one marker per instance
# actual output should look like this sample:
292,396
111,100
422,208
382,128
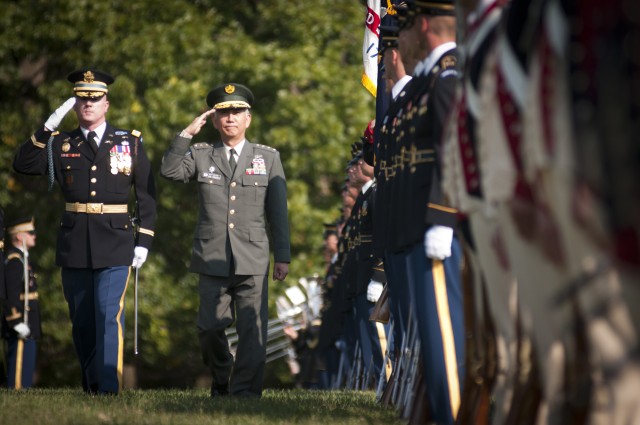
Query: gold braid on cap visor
231,104
95,89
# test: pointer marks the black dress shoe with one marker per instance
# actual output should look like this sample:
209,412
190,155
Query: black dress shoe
91,389
219,390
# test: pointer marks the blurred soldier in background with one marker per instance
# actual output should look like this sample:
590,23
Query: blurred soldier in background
490,293
3,294
21,316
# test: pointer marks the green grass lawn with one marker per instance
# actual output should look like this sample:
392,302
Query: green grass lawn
192,407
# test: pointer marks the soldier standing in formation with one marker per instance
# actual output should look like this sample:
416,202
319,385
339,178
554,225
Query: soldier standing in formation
20,329
422,225
96,166
242,187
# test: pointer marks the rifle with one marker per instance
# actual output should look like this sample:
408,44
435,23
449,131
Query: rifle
387,395
338,379
527,393
407,362
480,353
413,383
381,311
420,410
349,384
357,376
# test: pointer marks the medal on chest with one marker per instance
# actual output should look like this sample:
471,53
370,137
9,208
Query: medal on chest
120,159
258,166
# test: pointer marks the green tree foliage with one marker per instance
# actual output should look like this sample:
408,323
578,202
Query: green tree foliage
301,59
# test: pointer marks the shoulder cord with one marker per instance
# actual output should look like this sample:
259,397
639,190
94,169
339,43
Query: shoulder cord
50,162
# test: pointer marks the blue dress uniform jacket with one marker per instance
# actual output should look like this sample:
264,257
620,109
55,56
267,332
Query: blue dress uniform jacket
363,245
256,194
95,240
416,189
384,169
14,308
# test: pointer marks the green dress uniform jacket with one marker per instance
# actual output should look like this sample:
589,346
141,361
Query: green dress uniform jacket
234,209
92,236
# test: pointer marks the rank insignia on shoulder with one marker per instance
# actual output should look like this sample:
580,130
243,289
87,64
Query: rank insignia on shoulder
448,61
135,133
269,148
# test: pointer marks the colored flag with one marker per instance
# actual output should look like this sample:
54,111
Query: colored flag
370,46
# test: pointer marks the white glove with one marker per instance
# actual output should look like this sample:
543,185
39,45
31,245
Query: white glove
22,329
54,120
437,242
374,290
139,256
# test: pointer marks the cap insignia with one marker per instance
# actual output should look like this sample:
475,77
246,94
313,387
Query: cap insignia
88,77
229,89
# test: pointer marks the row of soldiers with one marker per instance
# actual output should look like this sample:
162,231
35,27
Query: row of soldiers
500,215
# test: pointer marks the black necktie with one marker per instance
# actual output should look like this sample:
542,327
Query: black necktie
91,137
232,160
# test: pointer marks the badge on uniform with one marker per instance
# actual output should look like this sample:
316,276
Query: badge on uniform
258,166
211,174
120,159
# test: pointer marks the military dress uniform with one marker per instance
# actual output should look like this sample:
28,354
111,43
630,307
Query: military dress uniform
399,296
96,238
22,352
372,335
334,331
418,204
347,280
231,244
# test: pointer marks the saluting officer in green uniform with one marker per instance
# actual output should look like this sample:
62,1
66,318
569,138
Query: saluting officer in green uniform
241,187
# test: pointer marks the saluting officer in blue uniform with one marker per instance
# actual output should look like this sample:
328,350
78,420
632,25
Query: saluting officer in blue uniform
19,331
96,166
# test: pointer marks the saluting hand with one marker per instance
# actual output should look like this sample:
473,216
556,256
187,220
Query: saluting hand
280,271
54,120
197,124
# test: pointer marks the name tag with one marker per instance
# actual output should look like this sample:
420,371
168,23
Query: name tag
212,176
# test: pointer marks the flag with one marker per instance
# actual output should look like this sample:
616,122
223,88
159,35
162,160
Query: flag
370,47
